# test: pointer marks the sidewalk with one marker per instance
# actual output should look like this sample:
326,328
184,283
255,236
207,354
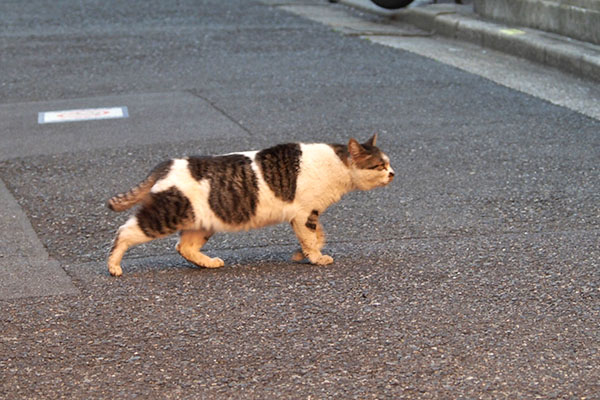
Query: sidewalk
461,22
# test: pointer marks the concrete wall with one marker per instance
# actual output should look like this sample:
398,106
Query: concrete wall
579,19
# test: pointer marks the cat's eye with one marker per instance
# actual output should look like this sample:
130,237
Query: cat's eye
380,167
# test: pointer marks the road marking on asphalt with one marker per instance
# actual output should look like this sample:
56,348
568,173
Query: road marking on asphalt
512,32
86,114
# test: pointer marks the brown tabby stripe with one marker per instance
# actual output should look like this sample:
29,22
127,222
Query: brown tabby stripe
166,212
371,155
342,152
312,220
233,185
280,166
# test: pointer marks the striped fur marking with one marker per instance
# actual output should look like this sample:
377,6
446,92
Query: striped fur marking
312,220
166,213
233,185
341,151
280,166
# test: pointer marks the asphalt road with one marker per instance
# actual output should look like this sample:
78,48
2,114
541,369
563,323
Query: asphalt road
476,274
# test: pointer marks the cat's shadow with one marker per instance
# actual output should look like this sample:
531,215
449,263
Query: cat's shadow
235,261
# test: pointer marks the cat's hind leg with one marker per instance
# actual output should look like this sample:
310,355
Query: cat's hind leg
129,234
189,245
163,214
312,238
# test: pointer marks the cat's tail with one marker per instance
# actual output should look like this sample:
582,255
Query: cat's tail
138,193
124,201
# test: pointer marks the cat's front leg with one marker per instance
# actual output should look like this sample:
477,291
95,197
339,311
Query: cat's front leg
299,255
310,234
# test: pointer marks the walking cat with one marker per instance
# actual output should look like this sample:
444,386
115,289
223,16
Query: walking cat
201,195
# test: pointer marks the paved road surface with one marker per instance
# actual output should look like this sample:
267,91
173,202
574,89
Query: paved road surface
475,275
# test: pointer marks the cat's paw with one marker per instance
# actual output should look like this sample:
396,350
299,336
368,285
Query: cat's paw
321,260
213,263
298,256
115,270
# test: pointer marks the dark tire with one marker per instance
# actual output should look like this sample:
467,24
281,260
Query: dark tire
392,4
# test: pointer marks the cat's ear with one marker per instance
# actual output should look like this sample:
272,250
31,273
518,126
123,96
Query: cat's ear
372,141
355,149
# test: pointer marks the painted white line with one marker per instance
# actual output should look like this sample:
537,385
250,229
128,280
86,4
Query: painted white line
86,114
512,32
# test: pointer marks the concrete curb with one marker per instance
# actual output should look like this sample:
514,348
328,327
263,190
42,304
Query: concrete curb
26,269
460,22
578,19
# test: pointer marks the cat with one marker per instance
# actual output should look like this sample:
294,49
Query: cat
201,195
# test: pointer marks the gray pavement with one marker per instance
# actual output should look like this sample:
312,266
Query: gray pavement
551,48
475,275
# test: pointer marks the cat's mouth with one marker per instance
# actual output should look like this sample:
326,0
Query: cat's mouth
386,182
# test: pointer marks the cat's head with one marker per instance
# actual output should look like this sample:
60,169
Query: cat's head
370,167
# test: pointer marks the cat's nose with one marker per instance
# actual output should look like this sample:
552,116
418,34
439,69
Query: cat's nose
391,174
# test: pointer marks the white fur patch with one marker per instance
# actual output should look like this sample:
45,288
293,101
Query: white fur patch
178,174
323,178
